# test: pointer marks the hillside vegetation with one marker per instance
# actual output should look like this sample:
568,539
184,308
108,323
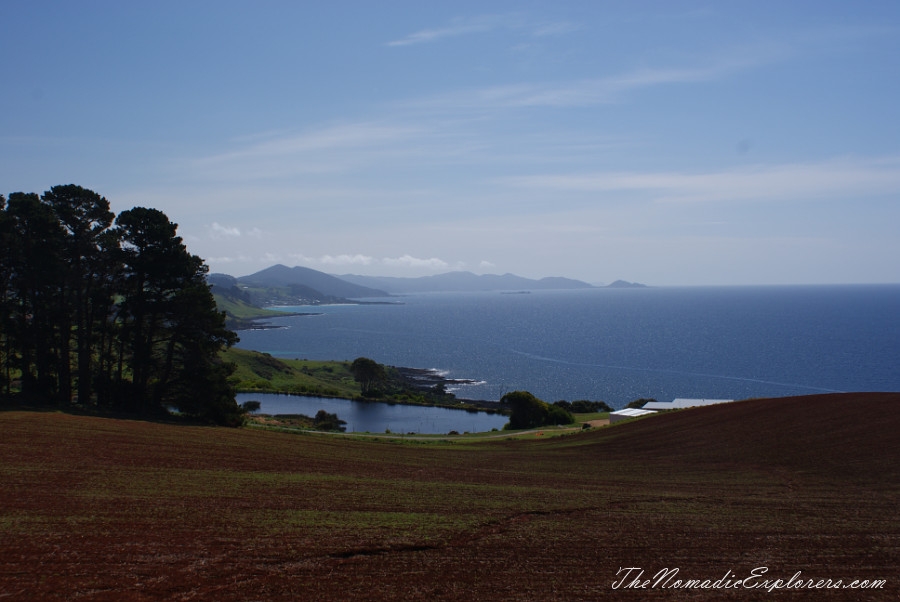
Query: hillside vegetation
103,509
261,372
109,312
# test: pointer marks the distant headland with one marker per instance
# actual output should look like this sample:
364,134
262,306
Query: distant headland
318,287
245,298
625,284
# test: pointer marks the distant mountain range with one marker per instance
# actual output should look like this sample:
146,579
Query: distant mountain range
464,282
326,284
280,284
625,284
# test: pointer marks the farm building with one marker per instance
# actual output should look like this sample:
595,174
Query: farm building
627,413
678,404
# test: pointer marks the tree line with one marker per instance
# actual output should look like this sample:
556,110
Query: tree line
108,312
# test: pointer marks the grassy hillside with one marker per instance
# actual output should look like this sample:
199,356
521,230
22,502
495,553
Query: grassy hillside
262,372
240,314
239,308
103,509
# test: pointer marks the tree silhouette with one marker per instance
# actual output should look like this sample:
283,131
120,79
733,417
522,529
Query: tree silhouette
121,316
368,373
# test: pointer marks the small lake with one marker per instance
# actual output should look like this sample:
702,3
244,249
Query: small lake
376,417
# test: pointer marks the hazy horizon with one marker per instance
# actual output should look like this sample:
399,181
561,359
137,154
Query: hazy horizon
555,275
697,143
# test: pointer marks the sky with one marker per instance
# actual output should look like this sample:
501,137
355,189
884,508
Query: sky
668,143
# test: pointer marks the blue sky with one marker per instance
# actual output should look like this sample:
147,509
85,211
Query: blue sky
671,143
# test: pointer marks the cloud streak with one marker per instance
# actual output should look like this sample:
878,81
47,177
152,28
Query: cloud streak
840,178
346,259
405,261
408,261
459,27
341,137
216,230
584,92
447,128
464,26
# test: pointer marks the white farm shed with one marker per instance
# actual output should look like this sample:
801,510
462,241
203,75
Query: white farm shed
627,413
679,404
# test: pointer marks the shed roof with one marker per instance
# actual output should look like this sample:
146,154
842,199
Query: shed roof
677,404
628,413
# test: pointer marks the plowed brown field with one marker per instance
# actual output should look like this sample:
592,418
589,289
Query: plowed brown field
105,509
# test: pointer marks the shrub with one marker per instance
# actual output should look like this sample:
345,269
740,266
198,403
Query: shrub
527,411
251,406
328,422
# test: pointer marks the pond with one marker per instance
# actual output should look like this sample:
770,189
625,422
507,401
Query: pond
376,417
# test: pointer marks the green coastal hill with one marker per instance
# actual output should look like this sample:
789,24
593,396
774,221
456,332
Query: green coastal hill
760,493
263,373
325,284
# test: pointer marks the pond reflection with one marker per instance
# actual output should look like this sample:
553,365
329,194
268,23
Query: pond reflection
376,417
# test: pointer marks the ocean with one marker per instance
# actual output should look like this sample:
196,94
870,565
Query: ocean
618,345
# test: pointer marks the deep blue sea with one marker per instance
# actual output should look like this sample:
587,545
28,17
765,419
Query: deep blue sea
617,345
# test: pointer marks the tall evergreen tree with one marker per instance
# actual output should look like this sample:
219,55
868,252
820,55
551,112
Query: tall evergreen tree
85,216
106,293
6,308
37,267
122,317
171,326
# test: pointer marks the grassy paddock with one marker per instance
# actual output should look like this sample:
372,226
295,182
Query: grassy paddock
100,508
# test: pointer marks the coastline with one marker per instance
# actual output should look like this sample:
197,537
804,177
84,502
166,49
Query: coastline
420,380
257,323
426,380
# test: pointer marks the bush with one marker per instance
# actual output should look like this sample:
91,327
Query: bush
251,406
328,422
639,403
562,403
583,406
527,411
557,415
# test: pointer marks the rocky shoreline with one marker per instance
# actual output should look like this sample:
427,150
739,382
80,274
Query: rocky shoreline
425,380
259,323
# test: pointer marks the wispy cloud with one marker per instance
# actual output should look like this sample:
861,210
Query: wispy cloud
408,261
333,138
462,26
555,28
458,27
346,259
228,259
320,151
442,129
583,92
839,178
217,230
